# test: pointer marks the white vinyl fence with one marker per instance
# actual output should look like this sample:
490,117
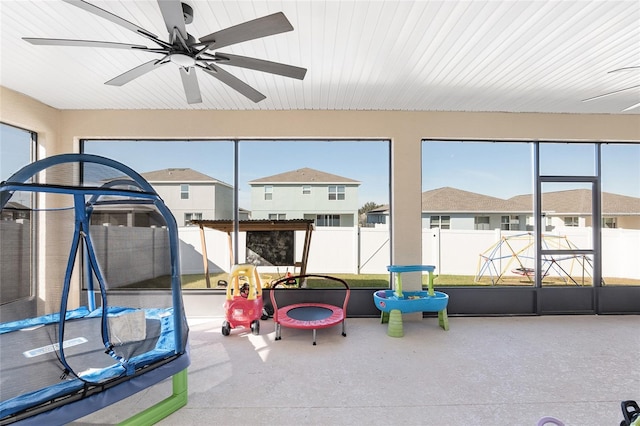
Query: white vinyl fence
367,250
134,254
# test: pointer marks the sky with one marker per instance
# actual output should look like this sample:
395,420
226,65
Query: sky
363,161
13,153
497,169
504,170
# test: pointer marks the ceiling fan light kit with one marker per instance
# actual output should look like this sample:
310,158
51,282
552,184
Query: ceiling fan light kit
183,50
183,60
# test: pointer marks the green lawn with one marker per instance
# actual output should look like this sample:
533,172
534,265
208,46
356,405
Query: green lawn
197,281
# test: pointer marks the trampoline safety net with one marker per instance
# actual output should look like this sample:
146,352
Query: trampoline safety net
77,233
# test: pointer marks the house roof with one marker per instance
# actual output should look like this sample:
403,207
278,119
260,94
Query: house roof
304,175
380,209
182,175
14,205
571,202
578,202
454,200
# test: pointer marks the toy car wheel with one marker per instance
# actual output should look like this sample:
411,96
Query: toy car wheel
226,328
255,327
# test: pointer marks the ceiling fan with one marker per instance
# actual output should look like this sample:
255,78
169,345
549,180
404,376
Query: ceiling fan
615,92
188,54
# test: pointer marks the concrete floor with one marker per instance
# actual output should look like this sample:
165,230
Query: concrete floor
483,371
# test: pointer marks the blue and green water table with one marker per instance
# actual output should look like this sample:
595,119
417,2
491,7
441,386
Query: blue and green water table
394,303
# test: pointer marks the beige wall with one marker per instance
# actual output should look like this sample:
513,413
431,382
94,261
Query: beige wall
404,129
27,113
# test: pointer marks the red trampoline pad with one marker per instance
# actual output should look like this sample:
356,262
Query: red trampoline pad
310,315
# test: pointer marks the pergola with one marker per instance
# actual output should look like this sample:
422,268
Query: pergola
228,226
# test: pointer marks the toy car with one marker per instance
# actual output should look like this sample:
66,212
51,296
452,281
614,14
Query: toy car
243,306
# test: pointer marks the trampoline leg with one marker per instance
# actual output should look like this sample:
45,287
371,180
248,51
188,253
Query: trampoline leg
314,336
277,331
344,328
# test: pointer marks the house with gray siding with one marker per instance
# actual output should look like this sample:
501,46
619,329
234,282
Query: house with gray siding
573,208
191,195
451,208
328,199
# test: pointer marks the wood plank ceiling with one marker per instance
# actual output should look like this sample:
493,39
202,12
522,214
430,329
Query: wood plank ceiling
482,55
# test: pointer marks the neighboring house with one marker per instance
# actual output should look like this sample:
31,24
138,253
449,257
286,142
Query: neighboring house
14,211
573,208
244,214
377,216
191,195
451,208
328,199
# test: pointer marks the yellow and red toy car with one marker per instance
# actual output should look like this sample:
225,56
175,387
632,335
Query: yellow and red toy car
243,307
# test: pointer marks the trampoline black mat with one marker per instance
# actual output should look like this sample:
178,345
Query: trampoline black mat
309,313
29,359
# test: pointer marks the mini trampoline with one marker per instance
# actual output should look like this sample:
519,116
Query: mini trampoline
93,340
309,315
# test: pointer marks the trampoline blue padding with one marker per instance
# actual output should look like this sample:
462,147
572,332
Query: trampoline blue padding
161,346
44,319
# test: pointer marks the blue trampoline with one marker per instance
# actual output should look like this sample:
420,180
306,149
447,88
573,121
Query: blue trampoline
91,303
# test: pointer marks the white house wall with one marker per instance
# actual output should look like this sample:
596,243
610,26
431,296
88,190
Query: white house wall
200,200
223,204
288,199
466,221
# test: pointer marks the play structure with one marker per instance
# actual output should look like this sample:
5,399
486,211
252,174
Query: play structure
511,260
314,308
393,303
77,229
272,230
243,305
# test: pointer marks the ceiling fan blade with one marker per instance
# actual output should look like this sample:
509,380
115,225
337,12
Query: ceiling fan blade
250,30
611,93
261,65
235,83
173,18
110,17
82,43
135,73
190,83
636,67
